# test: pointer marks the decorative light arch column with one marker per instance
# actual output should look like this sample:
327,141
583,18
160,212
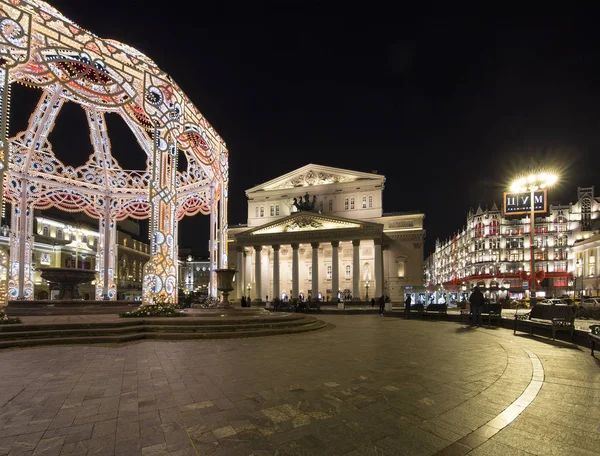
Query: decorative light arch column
20,284
106,254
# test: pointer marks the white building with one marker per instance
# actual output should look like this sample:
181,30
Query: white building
493,251
335,241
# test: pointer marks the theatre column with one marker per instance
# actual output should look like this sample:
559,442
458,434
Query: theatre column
295,271
356,269
315,270
378,269
276,291
257,272
239,286
335,269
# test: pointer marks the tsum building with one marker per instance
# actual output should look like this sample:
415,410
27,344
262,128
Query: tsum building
320,232
492,251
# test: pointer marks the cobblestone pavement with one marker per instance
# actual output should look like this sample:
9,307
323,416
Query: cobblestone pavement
369,386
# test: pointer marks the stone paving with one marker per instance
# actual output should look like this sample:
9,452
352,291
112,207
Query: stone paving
369,386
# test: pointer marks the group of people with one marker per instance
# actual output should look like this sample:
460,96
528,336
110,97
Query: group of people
246,301
381,301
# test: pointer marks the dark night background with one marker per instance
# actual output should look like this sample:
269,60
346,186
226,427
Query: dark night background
448,107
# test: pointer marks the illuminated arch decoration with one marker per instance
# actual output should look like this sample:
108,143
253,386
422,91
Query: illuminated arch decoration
41,48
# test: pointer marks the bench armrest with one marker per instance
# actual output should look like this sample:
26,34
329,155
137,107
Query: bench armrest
523,316
595,329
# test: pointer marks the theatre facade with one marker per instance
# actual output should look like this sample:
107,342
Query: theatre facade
320,232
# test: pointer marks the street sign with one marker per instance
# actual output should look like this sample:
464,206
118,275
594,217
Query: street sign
525,285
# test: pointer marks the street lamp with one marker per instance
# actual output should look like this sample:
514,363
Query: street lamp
530,184
367,287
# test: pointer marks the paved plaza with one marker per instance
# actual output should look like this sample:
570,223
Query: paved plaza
369,385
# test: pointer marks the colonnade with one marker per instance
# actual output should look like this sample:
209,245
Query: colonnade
260,290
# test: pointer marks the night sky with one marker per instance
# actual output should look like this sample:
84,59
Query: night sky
448,107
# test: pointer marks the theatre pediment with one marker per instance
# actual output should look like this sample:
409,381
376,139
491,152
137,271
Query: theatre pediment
313,175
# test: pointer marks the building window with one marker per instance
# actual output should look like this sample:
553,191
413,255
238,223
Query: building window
351,203
592,270
330,205
494,228
277,209
346,204
124,242
262,211
364,202
60,234
272,211
84,239
370,201
321,206
95,242
328,272
310,273
401,268
46,231
479,230
256,212
348,272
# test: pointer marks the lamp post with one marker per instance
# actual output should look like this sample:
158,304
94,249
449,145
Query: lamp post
529,184
367,287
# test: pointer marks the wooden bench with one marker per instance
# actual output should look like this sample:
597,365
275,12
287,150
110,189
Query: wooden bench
493,311
594,336
557,317
439,309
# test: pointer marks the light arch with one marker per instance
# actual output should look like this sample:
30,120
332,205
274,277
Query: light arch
41,48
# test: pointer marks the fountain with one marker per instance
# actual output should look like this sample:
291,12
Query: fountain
68,280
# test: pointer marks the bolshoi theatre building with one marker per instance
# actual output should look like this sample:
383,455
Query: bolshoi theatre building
320,232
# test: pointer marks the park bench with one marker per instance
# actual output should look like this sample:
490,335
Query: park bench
285,306
557,317
309,306
439,309
493,311
594,336
417,309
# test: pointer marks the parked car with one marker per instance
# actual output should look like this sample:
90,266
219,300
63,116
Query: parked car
590,302
554,301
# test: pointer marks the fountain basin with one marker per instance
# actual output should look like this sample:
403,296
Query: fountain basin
67,280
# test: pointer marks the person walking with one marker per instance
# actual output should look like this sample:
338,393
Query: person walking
407,303
243,301
381,305
372,303
476,300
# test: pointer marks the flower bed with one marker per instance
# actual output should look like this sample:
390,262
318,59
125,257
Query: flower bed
159,308
6,320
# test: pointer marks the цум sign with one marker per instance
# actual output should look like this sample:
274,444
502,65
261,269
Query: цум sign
520,203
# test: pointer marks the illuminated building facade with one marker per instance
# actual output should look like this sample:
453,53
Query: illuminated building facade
493,251
321,232
41,48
